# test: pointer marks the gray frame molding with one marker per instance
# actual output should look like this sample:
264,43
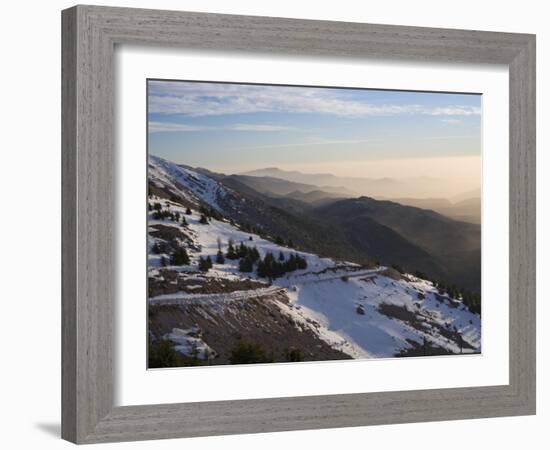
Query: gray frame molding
89,36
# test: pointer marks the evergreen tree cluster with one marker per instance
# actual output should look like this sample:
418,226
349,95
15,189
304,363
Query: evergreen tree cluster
471,299
210,213
294,355
179,257
205,264
251,229
162,354
242,252
280,241
165,214
249,353
269,267
220,259
422,275
248,257
231,253
162,214
159,247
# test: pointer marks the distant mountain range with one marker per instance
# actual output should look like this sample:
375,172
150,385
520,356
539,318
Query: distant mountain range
278,186
446,248
464,207
467,210
414,186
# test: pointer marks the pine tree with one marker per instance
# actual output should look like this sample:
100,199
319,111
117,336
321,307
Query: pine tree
180,257
184,221
242,251
281,256
209,262
220,259
188,211
203,219
261,269
163,261
231,250
265,266
156,248
301,262
250,238
245,265
204,266
290,264
254,254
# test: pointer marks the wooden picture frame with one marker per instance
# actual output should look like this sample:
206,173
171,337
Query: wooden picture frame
90,34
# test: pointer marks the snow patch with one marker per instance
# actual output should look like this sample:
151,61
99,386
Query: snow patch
189,343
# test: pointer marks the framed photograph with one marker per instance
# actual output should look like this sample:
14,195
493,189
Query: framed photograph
278,224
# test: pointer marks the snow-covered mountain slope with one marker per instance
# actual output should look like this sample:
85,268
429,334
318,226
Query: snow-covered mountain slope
340,307
191,184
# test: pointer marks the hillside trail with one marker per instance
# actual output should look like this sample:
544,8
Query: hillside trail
227,297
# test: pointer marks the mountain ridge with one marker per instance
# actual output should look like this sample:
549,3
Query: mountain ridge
416,186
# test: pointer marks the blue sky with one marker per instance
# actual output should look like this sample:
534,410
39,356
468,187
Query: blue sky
236,127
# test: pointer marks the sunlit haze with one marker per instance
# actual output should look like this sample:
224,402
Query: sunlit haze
235,128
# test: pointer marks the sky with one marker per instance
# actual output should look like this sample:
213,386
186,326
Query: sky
232,128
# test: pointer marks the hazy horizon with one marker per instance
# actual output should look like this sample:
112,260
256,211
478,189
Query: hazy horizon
235,128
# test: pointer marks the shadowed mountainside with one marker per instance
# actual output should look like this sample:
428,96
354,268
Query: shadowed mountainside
455,246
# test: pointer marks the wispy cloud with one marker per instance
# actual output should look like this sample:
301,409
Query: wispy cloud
320,142
456,111
174,127
339,142
451,121
214,99
169,127
259,127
